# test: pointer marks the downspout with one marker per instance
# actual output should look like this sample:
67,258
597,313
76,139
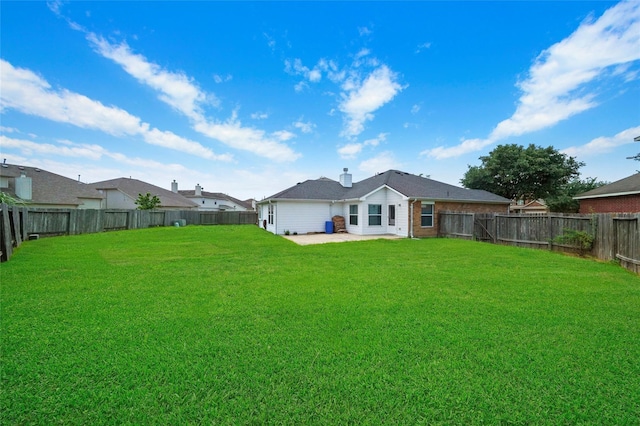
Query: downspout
411,219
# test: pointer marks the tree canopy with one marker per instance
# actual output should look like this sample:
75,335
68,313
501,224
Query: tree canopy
563,202
520,173
147,201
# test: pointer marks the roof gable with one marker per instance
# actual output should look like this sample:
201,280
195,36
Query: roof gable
133,187
49,188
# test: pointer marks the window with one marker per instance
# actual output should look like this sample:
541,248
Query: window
375,214
270,214
353,214
392,215
426,215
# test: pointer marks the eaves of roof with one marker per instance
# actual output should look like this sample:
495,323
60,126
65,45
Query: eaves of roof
626,186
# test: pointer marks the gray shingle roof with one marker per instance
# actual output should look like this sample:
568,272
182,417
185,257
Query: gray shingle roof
133,187
191,193
49,188
409,185
627,186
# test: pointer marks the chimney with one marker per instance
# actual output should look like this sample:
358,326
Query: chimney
174,186
23,187
345,178
198,190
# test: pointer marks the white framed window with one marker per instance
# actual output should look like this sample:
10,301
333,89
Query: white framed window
426,215
270,210
353,214
375,214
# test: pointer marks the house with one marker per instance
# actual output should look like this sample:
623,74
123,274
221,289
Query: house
212,201
622,196
42,189
392,202
529,207
122,193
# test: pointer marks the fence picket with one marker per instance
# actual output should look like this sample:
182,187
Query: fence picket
17,224
616,236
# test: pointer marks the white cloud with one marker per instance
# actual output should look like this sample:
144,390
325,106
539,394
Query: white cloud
91,152
270,41
181,92
361,100
313,75
232,133
467,145
283,135
380,163
363,31
28,93
299,87
259,115
556,86
304,127
423,46
8,129
415,109
376,141
26,147
176,89
351,150
222,79
603,144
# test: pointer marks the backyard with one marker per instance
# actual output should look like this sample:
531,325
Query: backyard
234,325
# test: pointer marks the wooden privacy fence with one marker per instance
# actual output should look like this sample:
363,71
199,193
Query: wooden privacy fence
615,236
18,224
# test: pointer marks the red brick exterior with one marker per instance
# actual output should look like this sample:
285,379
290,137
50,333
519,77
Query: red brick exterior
621,204
419,231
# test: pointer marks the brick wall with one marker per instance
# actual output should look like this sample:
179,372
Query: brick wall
419,231
621,204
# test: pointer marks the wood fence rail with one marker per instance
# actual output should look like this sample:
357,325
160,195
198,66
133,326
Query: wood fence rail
615,236
18,224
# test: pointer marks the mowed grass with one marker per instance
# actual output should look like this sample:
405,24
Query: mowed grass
233,325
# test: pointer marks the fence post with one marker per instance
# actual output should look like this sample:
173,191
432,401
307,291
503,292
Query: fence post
7,246
15,212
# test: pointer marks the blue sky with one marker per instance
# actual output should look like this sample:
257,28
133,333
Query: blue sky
249,98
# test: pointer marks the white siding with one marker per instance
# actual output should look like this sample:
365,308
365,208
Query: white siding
354,229
384,197
116,199
304,217
378,197
213,204
90,203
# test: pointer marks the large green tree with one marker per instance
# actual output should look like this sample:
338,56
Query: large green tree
519,173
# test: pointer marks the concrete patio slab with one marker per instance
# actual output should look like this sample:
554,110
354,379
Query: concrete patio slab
308,239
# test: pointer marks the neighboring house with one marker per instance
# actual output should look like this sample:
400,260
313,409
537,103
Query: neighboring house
212,201
122,193
529,207
392,202
622,196
42,189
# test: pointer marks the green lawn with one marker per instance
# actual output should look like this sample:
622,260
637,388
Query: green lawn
233,325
